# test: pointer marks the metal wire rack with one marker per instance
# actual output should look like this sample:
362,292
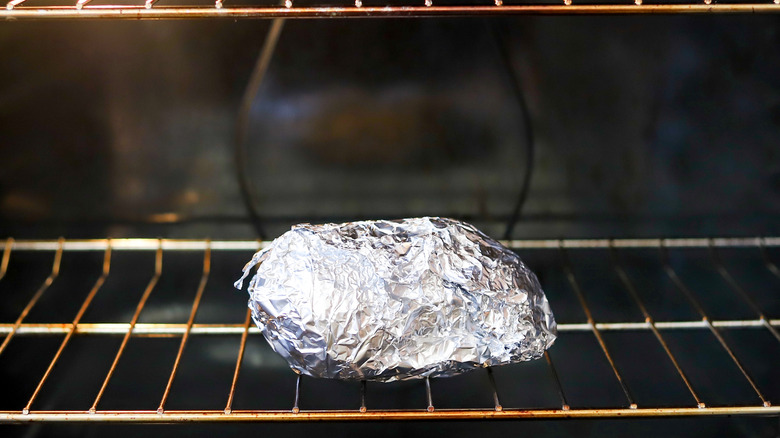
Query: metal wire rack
84,9
563,251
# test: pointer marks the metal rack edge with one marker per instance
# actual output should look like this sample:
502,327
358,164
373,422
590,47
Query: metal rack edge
289,416
162,13
235,245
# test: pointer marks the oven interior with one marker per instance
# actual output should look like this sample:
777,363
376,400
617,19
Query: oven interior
631,160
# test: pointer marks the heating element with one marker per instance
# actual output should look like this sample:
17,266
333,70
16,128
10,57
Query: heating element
566,260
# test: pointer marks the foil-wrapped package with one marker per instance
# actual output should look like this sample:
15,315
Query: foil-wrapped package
393,300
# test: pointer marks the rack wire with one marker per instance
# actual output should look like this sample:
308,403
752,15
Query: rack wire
84,9
20,330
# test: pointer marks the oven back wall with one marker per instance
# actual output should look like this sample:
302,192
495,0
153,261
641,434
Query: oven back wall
642,125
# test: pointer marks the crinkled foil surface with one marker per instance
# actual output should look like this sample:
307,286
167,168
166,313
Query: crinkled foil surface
395,300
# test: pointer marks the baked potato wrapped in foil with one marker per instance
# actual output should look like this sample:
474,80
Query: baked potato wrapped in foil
396,299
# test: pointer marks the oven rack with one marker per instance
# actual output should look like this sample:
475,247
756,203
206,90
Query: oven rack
84,9
223,411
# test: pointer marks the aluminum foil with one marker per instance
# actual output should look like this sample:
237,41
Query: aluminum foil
395,300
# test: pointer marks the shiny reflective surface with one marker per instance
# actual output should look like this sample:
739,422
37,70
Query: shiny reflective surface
396,300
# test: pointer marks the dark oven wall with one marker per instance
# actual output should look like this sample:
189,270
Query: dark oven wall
642,126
